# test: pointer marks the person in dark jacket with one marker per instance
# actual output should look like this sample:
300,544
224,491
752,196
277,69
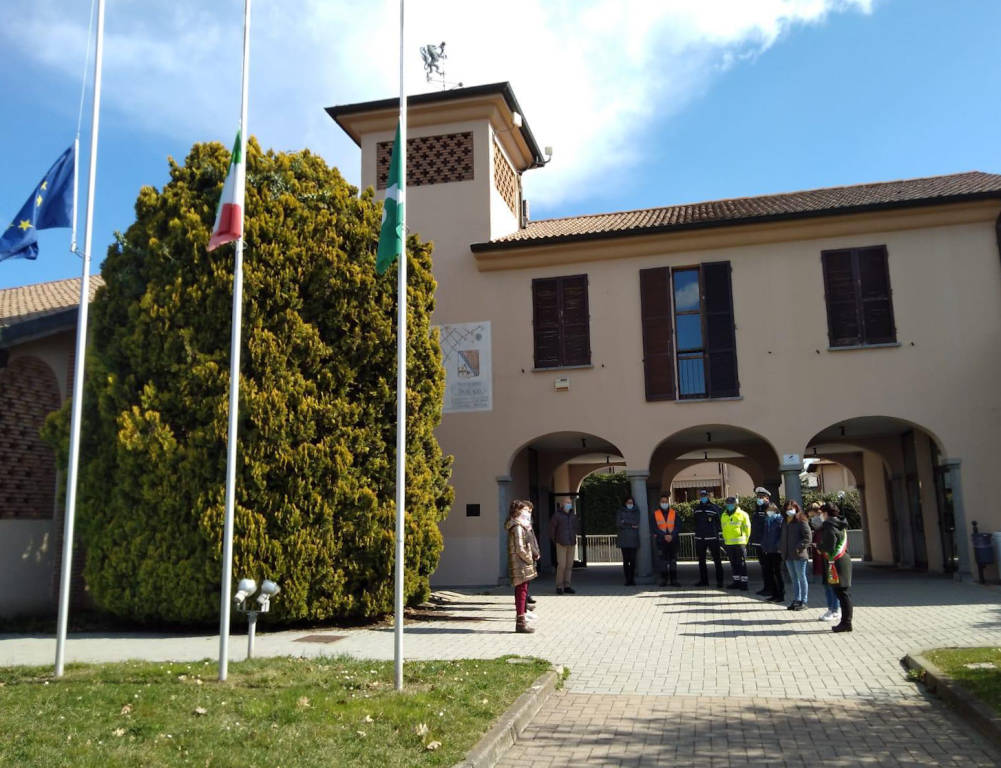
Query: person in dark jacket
796,553
816,518
771,545
837,562
627,525
563,532
758,517
707,538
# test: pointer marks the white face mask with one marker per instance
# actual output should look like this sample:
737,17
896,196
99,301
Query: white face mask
790,512
665,506
629,506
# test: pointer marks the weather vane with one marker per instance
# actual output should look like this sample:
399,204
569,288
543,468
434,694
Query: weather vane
433,56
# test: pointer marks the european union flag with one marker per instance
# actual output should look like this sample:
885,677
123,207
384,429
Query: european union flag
50,205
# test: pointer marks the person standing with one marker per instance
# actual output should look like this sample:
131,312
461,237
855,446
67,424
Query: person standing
627,524
707,538
771,545
758,518
563,532
796,553
816,520
522,554
668,527
837,562
736,526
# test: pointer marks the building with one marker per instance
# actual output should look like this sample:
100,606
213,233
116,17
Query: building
857,324
37,340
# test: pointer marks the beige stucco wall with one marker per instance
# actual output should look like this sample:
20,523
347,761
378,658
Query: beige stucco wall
946,282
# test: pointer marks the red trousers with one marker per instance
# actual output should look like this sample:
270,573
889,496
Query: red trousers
520,597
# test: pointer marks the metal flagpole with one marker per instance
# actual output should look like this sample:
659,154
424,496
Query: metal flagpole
401,375
81,348
234,373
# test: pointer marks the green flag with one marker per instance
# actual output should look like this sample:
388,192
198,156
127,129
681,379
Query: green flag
391,234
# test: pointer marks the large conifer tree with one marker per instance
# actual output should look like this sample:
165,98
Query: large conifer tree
315,482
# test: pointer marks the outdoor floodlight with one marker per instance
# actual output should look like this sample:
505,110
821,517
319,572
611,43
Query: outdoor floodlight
268,590
244,589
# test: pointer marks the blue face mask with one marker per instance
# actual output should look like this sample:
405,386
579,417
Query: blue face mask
704,499
760,502
730,507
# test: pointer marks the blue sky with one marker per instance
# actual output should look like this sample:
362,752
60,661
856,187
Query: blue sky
646,103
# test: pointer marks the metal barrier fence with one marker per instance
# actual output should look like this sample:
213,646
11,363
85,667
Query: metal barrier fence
604,549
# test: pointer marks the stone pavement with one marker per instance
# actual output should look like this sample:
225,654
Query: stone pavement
639,654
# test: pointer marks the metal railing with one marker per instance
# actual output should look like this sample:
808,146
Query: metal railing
604,548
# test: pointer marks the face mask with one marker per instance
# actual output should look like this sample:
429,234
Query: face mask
730,507
568,507
704,499
760,502
816,522
773,513
790,512
665,506
629,506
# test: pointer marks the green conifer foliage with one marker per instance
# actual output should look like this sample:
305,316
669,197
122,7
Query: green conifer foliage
316,475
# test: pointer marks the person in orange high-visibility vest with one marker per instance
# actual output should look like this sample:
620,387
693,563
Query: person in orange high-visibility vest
667,528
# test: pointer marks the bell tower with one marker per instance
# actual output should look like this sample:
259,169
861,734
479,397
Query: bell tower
467,149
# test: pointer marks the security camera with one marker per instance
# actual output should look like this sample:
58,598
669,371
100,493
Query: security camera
244,589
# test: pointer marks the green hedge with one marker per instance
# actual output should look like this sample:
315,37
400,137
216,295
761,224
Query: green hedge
316,477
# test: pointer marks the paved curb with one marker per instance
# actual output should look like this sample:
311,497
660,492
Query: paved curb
974,711
499,739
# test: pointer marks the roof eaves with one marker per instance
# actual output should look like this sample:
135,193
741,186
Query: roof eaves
38,327
614,234
503,88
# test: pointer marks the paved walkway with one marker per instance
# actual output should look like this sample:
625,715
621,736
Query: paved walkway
655,673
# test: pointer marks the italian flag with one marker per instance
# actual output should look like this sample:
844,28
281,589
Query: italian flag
391,234
229,216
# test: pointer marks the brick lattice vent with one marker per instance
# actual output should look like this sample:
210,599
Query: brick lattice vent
505,179
430,159
28,393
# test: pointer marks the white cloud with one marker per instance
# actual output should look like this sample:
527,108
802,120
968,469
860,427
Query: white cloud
590,74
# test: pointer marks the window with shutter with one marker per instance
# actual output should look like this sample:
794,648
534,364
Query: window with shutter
721,338
561,321
658,333
858,297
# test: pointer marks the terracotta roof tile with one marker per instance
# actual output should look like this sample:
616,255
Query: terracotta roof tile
27,302
813,202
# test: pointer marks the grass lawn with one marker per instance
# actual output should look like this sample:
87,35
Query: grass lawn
985,684
271,712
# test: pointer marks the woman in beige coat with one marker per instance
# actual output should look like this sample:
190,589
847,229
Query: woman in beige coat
522,553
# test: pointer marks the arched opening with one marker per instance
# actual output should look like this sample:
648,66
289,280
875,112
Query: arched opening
905,499
715,444
553,468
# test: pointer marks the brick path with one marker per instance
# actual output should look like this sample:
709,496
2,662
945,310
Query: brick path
730,681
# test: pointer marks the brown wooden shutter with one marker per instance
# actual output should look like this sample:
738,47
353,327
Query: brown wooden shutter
658,334
721,338
843,322
874,292
576,320
546,322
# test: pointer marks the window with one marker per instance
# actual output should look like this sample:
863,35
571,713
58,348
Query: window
689,342
858,296
561,322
